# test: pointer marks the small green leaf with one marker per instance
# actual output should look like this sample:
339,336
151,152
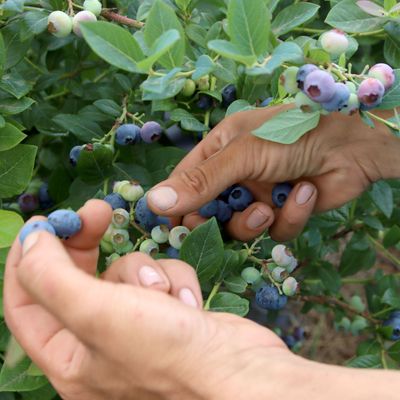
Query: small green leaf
84,129
330,277
230,50
382,195
367,361
15,106
11,223
204,65
391,99
109,107
288,126
392,236
10,136
392,298
230,303
394,351
188,122
235,284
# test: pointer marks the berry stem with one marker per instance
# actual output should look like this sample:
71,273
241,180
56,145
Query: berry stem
213,292
112,15
208,112
384,121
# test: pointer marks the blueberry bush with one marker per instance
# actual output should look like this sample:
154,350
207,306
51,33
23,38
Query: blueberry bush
102,100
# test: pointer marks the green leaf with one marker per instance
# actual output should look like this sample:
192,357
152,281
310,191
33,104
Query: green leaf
391,51
239,105
10,136
230,303
392,236
160,47
288,127
113,44
13,5
382,195
188,122
204,65
392,96
2,53
293,16
15,106
161,19
249,26
330,277
394,352
354,260
367,361
11,223
16,166
350,18
235,284
84,129
109,107
391,297
15,84
36,22
203,249
230,50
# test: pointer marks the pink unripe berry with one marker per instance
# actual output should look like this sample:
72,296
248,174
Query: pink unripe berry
334,42
370,92
82,16
59,24
384,73
319,86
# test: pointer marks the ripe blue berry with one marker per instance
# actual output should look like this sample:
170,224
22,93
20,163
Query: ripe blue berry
265,102
289,340
269,298
288,80
115,200
45,201
228,95
225,194
172,252
160,220
334,42
34,227
151,132
82,16
74,155
93,5
160,234
305,104
177,236
384,73
66,223
225,212
205,102
144,216
150,247
299,333
127,134
120,218
352,106
302,74
370,93
59,24
319,86
251,275
240,198
28,202
394,322
209,210
339,100
280,193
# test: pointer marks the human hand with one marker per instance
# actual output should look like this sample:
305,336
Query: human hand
129,335
329,166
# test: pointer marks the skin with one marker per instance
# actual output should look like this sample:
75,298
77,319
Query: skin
118,338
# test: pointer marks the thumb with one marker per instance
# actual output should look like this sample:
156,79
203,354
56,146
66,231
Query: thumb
188,190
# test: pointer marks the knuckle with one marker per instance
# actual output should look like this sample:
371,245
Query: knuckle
196,180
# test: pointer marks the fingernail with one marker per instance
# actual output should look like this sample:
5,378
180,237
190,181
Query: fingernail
149,276
163,197
304,194
187,297
29,241
256,219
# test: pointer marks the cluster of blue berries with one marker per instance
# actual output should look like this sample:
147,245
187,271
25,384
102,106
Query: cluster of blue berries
63,223
129,205
36,196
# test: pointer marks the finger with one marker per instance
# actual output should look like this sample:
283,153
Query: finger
184,283
250,223
193,220
291,219
140,270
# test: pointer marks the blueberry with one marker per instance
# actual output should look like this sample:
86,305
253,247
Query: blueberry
189,88
45,201
127,134
319,86
302,74
268,297
28,202
144,216
289,340
279,274
351,86
292,265
281,255
209,210
59,24
228,95
339,100
205,102
111,258
115,200
34,227
150,247
352,106
240,198
299,333
305,104
106,247
82,16
265,102
280,193
172,252
334,42
160,234
151,132
66,223
225,194
370,93
250,275
384,73
160,220
120,218
288,80
93,5
129,190
290,286
225,212
119,237
74,155
177,235
394,322
124,248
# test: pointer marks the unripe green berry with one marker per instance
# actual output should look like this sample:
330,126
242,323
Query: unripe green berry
59,24
271,266
108,234
359,324
357,303
150,247
204,83
189,88
351,86
281,255
120,218
130,191
305,104
110,259
106,247
93,5
118,184
344,323
160,234
82,16
353,105
124,248
177,236
290,286
279,274
288,80
292,265
119,237
251,275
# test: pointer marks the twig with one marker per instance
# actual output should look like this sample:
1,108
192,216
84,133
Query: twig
111,15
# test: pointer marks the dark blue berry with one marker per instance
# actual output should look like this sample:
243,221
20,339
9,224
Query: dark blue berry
269,298
144,216
225,194
290,341
115,200
266,102
205,102
28,202
225,212
45,201
240,198
280,193
209,210
302,74
163,221
228,95
151,132
34,227
74,155
66,223
394,322
127,134
299,334
172,252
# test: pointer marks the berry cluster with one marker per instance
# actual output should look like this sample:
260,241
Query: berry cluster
63,223
129,205
393,322
36,196
61,24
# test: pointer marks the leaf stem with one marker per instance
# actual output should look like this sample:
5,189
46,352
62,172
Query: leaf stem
385,252
384,121
213,292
